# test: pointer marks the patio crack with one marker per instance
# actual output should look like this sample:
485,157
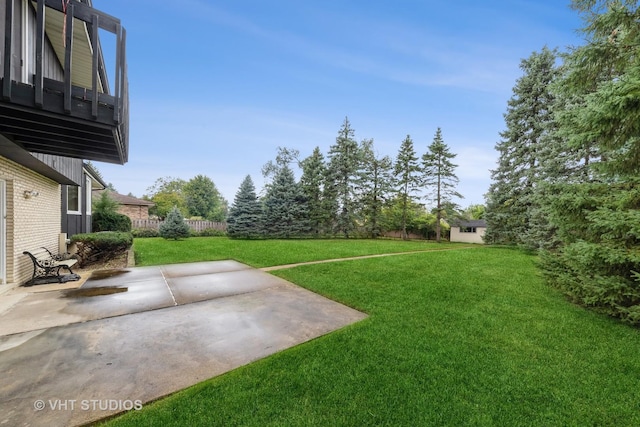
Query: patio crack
166,282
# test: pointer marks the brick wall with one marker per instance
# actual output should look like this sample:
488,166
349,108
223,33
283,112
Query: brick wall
134,212
32,222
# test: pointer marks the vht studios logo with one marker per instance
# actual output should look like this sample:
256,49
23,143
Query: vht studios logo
87,405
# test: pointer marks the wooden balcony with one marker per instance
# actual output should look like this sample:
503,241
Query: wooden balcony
64,106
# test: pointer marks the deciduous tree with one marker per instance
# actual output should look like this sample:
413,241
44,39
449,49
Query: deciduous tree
203,199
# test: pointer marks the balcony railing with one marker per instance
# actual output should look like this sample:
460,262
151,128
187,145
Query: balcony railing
72,111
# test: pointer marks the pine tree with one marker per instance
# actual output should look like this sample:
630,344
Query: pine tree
174,226
311,182
341,176
407,179
439,174
511,199
245,216
285,209
375,184
597,260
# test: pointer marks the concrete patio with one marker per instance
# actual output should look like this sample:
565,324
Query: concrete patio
127,337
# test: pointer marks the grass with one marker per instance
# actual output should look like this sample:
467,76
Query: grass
264,253
470,337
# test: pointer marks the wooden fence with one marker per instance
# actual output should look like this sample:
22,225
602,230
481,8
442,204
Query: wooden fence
195,225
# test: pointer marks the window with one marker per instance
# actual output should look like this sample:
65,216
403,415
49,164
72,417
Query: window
73,199
467,229
87,183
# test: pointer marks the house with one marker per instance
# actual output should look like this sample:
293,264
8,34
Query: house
130,206
77,201
468,231
59,105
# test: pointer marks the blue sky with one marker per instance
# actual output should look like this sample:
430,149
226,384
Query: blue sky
217,86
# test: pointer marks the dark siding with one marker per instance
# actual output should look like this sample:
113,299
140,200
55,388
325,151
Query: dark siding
16,69
52,67
76,223
71,168
3,8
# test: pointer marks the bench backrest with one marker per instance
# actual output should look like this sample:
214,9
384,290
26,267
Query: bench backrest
40,254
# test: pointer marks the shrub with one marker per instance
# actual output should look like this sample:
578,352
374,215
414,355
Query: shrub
103,246
105,203
211,232
108,221
174,226
145,232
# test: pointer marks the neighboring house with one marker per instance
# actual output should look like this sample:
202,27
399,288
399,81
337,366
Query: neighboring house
57,108
130,206
468,231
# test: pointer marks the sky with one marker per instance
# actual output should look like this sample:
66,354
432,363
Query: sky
217,86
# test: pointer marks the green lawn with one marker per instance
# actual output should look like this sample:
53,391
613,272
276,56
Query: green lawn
264,253
468,337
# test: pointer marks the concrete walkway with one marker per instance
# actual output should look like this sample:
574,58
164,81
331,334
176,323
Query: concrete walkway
127,337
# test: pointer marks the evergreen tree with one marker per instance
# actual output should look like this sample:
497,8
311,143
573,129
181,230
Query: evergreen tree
285,209
407,180
329,203
342,170
529,118
311,182
375,184
105,204
245,216
597,260
174,226
439,173
285,157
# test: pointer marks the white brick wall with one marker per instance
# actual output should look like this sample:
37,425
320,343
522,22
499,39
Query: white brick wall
31,223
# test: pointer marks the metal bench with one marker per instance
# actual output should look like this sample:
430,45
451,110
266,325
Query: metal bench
47,267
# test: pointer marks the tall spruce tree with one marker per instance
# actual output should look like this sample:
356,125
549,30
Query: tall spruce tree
311,182
344,159
407,180
598,258
511,198
375,184
245,216
440,177
285,212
